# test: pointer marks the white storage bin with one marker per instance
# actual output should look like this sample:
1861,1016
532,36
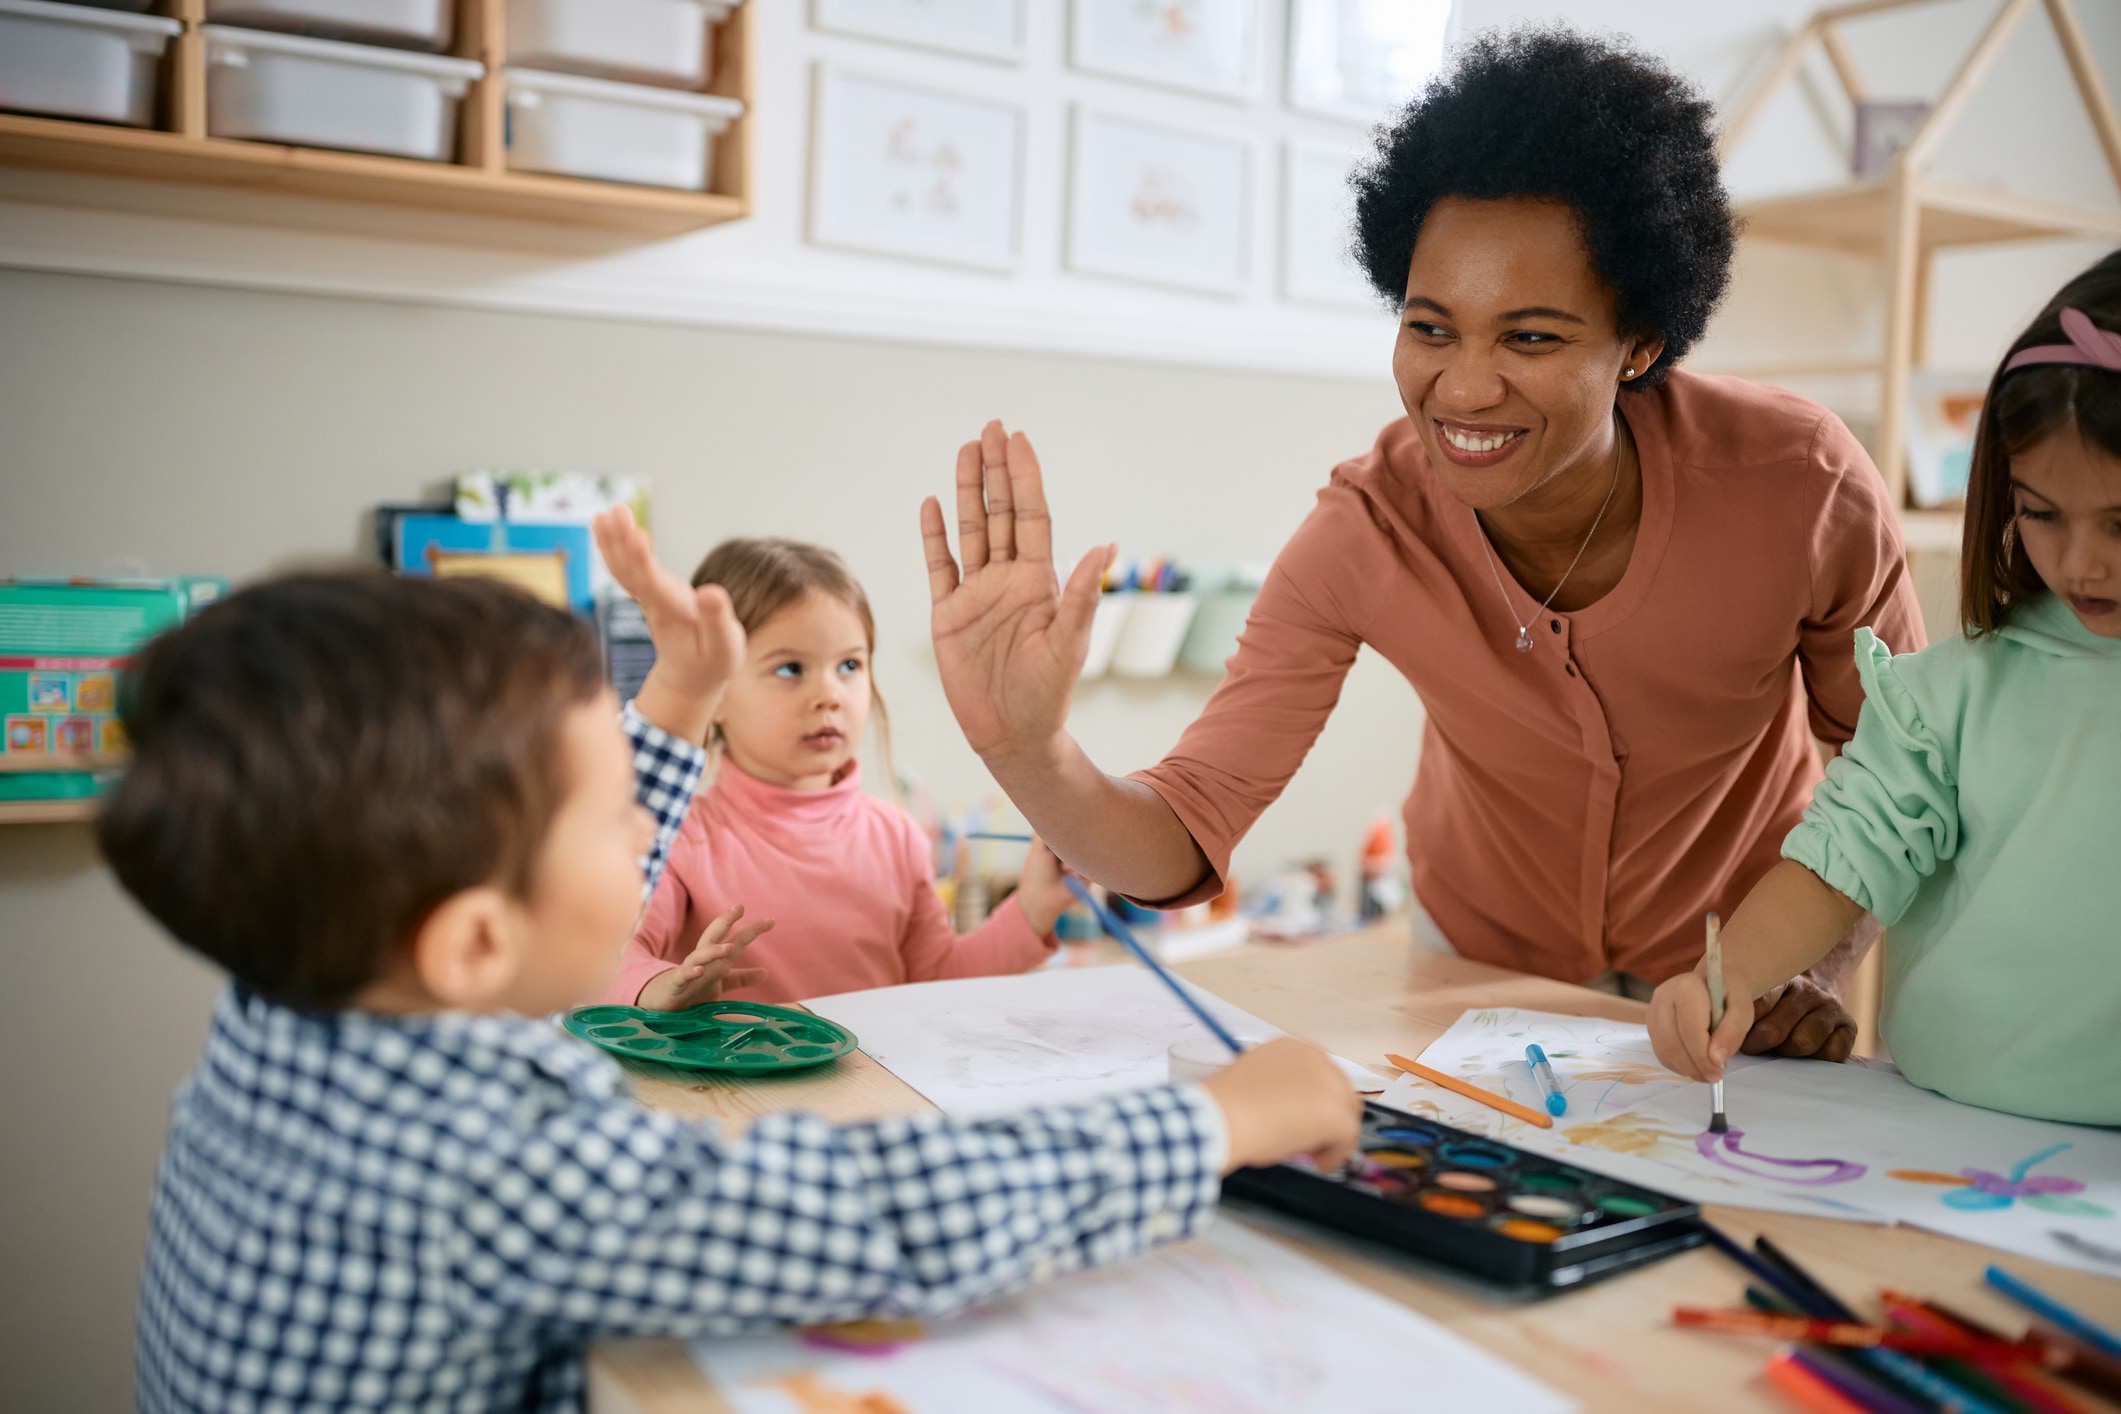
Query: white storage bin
645,41
1113,610
1148,645
613,132
430,24
77,61
319,93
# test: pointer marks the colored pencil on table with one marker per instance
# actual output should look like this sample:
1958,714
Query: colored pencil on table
2048,1309
2016,1377
1473,1092
1807,1388
1857,1334
1846,1372
1127,940
2087,1366
1902,1370
1834,1306
998,835
1768,1276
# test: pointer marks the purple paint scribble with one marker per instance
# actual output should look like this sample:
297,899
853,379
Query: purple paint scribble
824,1338
1825,1170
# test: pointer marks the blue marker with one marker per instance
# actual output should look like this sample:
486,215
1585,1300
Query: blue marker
2048,1309
1557,1103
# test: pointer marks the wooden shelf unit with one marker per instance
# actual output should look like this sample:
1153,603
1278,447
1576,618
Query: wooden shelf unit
478,182
1908,214
51,812
46,812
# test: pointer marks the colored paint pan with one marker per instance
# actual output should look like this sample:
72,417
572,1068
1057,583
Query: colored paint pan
1452,1205
1397,1159
1625,1205
1546,1207
1464,1181
1521,1229
1555,1184
1414,1136
1473,1154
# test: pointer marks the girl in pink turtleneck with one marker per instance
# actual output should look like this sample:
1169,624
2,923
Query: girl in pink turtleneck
786,833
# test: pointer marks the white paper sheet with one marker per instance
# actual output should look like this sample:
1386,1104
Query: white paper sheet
1852,1141
987,1045
1232,1322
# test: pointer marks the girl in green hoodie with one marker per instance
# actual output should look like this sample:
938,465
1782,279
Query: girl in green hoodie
1977,812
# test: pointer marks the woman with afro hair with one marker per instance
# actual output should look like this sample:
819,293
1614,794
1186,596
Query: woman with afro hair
1625,593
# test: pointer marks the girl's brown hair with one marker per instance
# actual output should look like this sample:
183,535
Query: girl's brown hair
764,576
2024,407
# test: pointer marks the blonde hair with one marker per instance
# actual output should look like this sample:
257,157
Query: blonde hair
764,576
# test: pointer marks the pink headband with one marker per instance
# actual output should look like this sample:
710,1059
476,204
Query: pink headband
2088,344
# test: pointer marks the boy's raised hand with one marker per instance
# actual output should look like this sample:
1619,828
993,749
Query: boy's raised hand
710,969
698,642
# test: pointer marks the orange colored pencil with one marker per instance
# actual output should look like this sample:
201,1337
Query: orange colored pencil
1807,1390
1473,1092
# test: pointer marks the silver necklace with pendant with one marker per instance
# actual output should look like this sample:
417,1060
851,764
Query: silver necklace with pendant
1524,630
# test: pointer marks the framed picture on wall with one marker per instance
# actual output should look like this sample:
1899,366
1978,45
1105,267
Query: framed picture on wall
992,29
1943,411
1357,60
901,170
1206,46
1317,211
1163,204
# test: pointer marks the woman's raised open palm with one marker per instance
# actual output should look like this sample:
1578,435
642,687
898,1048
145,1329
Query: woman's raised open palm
1009,641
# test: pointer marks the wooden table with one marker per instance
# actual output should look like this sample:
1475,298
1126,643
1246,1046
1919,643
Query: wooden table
1610,1345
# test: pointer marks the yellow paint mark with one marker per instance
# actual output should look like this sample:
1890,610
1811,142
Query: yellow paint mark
813,1396
1630,1133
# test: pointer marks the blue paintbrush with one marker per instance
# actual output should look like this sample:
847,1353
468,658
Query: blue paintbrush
1126,939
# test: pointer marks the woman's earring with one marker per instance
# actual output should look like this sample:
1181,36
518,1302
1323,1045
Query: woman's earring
1630,373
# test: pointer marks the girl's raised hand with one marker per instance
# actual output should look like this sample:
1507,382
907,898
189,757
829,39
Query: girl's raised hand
1009,641
1042,889
710,969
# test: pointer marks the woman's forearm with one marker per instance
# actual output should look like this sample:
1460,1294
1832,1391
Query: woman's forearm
1791,920
1115,832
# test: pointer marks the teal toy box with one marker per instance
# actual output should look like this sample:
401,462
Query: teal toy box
63,646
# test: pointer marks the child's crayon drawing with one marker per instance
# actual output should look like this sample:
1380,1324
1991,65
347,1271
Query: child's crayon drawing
1978,1190
1643,1135
1856,1142
1232,1321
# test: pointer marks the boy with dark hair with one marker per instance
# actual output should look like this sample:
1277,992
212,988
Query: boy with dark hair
397,813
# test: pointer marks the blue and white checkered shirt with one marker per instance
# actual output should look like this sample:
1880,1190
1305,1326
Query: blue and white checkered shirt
358,1211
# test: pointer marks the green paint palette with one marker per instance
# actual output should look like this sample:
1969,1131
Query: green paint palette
747,1037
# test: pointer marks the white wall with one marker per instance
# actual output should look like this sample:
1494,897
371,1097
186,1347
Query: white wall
2021,130
236,420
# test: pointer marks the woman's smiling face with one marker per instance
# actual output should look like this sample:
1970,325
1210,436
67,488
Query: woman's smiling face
1508,355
